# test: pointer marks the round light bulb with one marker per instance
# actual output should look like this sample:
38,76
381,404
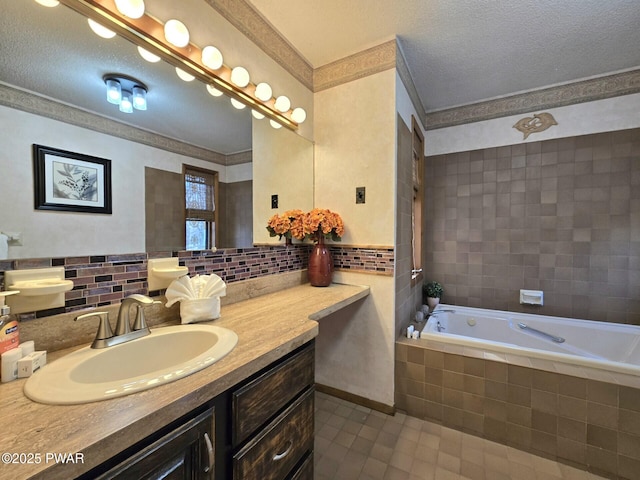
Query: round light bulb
148,56
213,91
126,105
240,76
48,3
212,57
187,77
99,30
257,115
139,98
237,104
275,124
298,115
264,92
176,33
283,104
114,91
130,8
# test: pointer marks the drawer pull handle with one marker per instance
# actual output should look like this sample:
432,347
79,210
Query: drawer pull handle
210,459
280,456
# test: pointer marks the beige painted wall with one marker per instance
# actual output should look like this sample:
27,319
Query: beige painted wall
283,166
355,129
355,346
355,147
67,233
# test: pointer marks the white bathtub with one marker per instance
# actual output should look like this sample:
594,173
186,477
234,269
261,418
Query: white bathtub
601,351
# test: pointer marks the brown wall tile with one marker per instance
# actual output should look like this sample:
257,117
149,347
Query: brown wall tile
562,199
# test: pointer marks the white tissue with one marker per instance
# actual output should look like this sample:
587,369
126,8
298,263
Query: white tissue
199,297
4,247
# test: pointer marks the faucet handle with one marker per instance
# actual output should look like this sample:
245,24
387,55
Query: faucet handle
140,322
104,328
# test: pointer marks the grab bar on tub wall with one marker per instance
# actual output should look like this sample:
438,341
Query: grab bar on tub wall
524,326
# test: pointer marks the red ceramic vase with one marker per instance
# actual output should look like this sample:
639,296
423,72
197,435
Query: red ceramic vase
320,264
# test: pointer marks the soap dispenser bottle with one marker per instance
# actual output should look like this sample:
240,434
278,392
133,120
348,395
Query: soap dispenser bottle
9,335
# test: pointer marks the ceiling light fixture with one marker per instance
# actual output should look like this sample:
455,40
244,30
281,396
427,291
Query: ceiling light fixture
187,77
264,92
299,115
148,56
213,91
126,92
212,57
240,76
131,8
100,30
237,104
204,64
48,3
176,33
283,104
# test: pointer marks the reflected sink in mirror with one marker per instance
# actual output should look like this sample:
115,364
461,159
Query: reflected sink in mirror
166,355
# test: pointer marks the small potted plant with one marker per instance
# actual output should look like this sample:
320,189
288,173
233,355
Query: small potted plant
433,291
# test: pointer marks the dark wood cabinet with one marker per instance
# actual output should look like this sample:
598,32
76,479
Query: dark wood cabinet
184,453
273,421
260,429
274,452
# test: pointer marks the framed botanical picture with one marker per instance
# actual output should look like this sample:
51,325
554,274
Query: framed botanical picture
71,182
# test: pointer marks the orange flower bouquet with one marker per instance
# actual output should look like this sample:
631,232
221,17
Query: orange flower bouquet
321,223
286,225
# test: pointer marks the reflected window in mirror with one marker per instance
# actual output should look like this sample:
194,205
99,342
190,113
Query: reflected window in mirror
201,189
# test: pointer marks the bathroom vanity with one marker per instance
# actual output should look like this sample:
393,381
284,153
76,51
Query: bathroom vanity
250,415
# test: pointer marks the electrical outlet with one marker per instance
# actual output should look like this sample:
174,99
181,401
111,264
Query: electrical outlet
359,194
274,201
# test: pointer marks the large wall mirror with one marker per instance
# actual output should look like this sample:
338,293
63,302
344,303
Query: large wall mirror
52,53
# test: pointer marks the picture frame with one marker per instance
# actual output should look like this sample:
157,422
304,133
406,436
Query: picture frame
71,182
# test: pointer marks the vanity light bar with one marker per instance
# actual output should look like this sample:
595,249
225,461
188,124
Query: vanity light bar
148,33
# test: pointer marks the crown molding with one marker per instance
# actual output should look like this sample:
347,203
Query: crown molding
239,158
31,103
624,83
359,65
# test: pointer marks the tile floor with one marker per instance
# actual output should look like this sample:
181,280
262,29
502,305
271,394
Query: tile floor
356,443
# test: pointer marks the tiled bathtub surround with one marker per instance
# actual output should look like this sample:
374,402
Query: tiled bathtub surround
562,216
581,422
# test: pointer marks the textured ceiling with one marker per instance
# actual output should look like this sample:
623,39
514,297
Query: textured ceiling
52,52
465,51
458,51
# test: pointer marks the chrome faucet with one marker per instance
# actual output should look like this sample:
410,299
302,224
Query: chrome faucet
124,332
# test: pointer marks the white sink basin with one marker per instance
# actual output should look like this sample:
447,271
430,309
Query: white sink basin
166,355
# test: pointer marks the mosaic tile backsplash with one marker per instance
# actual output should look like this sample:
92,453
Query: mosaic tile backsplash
101,280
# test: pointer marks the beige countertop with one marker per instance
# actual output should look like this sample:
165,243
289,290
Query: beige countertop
268,327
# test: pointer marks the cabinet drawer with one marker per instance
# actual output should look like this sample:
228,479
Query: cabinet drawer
258,401
305,471
273,453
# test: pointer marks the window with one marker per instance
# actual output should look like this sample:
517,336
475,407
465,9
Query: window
201,188
417,145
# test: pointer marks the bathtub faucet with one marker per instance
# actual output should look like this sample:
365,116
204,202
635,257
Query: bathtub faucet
439,326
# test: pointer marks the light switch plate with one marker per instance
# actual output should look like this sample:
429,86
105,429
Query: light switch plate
360,194
274,201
